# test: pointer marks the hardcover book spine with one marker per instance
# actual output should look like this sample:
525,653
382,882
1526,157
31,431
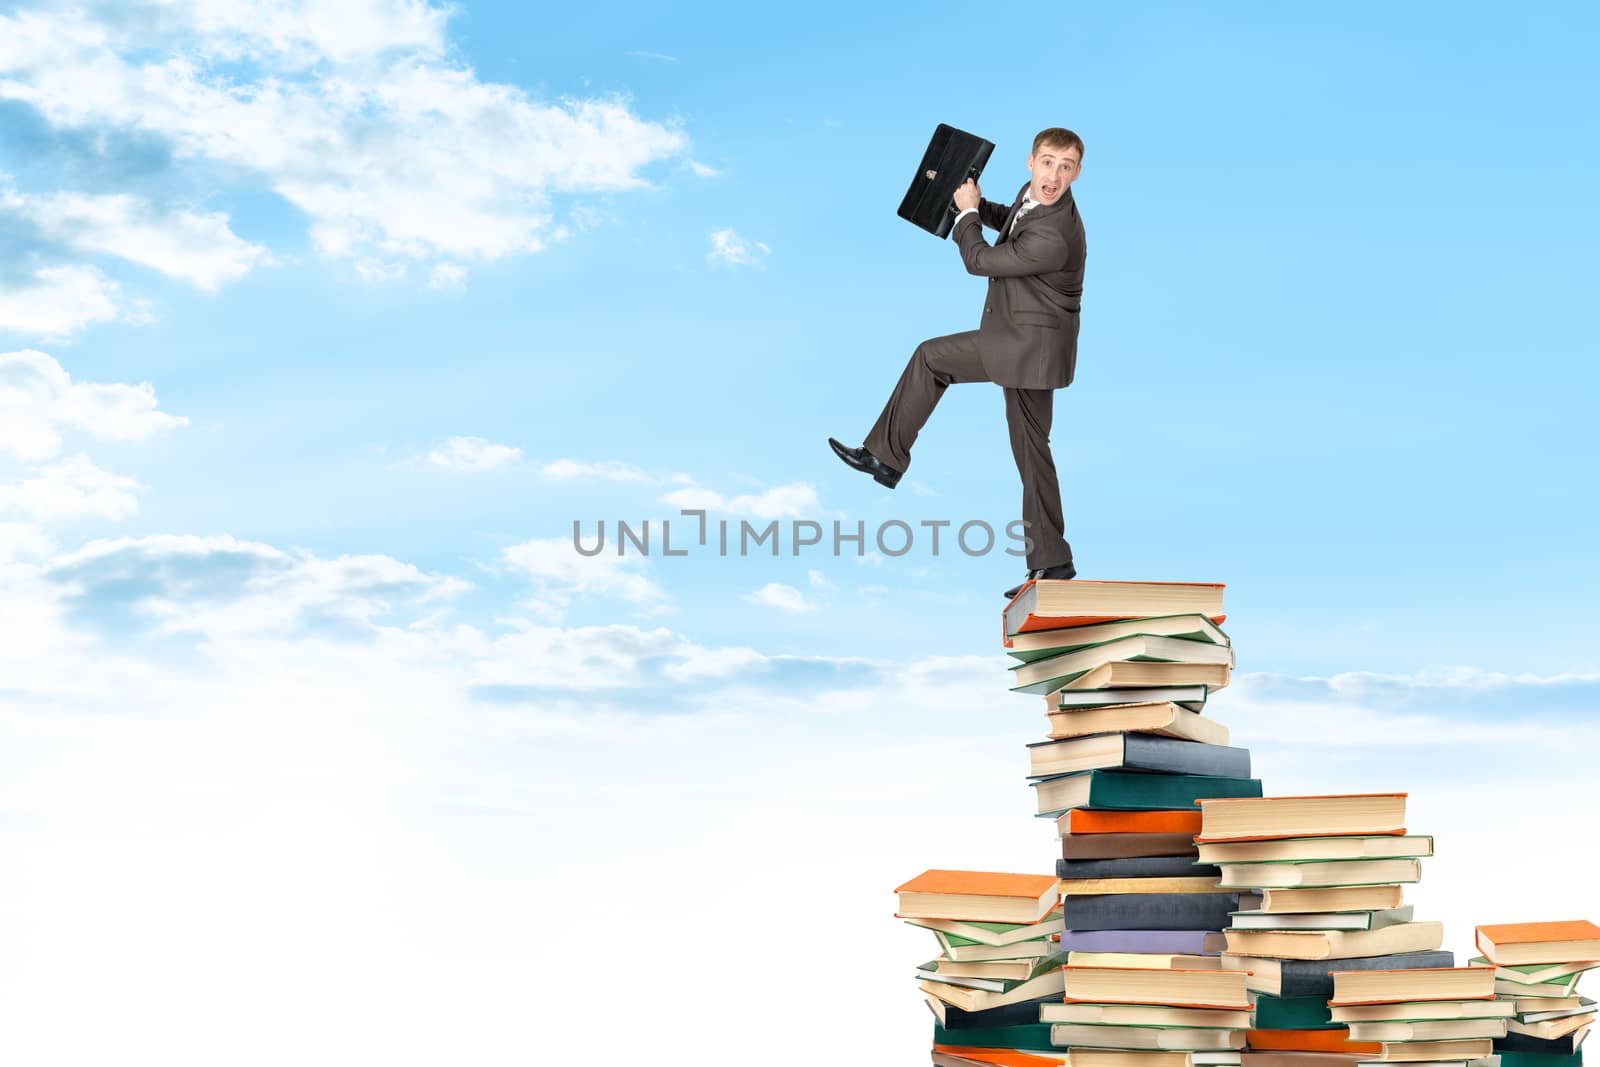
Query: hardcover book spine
1136,867
1313,978
1160,942
1149,911
1132,791
1169,755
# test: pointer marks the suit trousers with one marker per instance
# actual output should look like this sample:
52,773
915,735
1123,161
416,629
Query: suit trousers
943,361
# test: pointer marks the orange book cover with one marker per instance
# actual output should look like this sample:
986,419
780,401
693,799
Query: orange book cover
1004,1057
980,884
1337,1040
1536,933
1084,821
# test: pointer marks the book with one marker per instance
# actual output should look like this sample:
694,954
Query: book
993,933
1297,874
968,1056
1550,1028
1059,670
1040,643
1415,1051
1290,1058
1136,867
1043,605
1379,986
1532,1009
1561,988
1515,1058
1126,846
1048,983
1101,1057
1565,1045
1014,1014
1021,1036
1325,920
1312,978
1510,944
1334,1040
1530,973
1176,821
1421,1010
963,951
1149,674
1367,814
1346,898
1148,911
1136,752
1292,1013
1157,940
1437,1030
1139,985
1087,1035
977,895
1188,697
1154,960
1164,719
1103,886
1293,849
1143,1015
1130,791
1335,944
1004,970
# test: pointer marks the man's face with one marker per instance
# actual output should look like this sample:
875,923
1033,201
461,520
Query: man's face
1053,170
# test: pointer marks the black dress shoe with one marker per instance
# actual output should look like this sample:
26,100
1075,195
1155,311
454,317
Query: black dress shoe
862,460
1059,572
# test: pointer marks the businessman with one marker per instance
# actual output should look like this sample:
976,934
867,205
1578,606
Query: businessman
1026,342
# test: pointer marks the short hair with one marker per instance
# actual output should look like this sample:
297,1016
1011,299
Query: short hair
1057,137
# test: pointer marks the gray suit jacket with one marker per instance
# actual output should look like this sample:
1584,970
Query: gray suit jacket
1028,337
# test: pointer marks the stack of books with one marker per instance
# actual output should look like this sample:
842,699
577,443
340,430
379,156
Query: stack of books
1330,871
1125,669
1536,968
1142,1016
998,963
1432,1015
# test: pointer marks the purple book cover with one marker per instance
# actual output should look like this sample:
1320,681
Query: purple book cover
1173,942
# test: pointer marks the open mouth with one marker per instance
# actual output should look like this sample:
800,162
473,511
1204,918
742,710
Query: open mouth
1049,191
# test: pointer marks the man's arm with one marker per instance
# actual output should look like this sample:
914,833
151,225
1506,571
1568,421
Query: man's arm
993,215
1033,250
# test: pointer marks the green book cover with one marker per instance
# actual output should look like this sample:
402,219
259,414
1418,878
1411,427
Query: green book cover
1023,1035
1294,1013
1125,791
1538,1059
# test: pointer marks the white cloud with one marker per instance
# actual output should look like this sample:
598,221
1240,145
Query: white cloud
39,399
703,170
359,115
728,248
57,302
784,501
447,276
219,585
783,597
72,489
198,248
472,454
607,471
562,573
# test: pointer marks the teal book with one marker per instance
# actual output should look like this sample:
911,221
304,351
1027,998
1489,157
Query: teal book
1024,1035
1508,1058
1294,1013
1125,791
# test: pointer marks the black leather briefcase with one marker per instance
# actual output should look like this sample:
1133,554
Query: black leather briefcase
952,157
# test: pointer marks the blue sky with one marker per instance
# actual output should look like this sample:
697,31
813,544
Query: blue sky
321,324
